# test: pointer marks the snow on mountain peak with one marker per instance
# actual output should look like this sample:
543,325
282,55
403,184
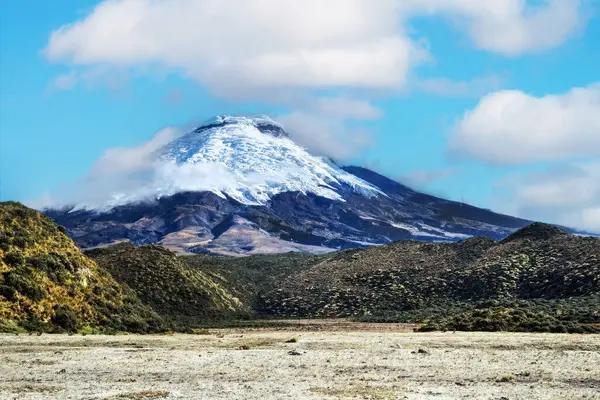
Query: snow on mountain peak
259,160
249,159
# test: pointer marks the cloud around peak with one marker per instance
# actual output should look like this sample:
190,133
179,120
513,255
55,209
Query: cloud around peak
138,173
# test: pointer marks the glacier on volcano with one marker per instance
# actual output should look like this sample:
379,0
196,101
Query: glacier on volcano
261,160
249,159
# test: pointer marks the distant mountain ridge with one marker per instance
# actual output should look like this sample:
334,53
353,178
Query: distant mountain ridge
253,190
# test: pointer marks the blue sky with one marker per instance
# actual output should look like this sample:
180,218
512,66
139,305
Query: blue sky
496,104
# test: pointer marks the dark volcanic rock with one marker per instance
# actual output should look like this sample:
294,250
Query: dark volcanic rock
190,221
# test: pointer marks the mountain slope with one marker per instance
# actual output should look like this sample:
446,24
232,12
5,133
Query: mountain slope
237,169
47,284
541,278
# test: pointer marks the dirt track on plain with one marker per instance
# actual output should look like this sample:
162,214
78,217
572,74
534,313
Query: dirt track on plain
364,362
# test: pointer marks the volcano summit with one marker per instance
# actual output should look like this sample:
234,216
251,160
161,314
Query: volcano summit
240,185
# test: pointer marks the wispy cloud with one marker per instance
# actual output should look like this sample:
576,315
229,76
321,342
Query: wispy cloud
326,136
174,97
423,178
65,81
119,160
343,107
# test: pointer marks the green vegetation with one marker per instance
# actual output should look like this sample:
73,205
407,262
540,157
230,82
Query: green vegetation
48,285
508,319
536,315
182,294
538,279
201,291
548,280
252,277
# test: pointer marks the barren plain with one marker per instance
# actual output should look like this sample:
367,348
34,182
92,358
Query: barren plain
311,360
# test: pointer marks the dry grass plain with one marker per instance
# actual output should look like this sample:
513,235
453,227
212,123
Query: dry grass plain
327,360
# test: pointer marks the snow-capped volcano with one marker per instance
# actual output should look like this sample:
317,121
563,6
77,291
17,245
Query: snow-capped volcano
240,185
255,160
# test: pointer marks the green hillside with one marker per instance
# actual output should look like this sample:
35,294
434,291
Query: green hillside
551,279
47,284
181,293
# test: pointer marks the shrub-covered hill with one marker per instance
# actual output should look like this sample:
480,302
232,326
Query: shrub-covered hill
47,284
539,267
164,281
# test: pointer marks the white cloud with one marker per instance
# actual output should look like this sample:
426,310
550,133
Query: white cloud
113,79
134,173
140,182
260,43
65,81
249,45
510,27
567,195
321,124
511,127
46,200
119,160
118,170
344,107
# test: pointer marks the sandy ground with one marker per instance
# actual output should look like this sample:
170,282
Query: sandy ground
348,361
